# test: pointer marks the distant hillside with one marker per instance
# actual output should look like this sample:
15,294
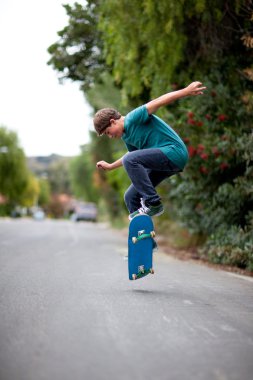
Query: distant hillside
41,165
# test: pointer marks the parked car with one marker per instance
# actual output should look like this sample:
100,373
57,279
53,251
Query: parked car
16,214
39,214
86,211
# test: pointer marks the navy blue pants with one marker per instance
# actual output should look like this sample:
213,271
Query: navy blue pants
146,168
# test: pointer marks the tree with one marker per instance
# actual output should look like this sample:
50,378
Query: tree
58,176
153,47
44,192
82,176
14,175
31,192
149,46
77,55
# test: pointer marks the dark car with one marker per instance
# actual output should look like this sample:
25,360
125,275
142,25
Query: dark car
87,212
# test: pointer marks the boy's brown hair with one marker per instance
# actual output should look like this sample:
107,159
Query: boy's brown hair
102,119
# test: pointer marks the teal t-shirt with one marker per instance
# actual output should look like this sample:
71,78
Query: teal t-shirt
143,131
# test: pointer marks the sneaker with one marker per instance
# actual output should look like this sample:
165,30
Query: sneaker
148,210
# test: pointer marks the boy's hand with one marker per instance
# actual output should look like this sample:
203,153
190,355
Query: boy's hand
103,165
195,88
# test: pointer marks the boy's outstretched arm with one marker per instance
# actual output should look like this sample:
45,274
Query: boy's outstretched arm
195,88
106,166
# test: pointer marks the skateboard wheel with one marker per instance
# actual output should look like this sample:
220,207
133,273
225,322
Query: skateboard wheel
152,234
152,271
134,240
134,276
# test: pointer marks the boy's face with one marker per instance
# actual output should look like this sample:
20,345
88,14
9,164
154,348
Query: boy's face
115,129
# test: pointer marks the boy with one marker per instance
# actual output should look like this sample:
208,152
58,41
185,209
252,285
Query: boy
155,151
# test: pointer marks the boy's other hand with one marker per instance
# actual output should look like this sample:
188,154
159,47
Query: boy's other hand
195,88
103,165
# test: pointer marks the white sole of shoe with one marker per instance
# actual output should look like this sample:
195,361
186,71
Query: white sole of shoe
159,213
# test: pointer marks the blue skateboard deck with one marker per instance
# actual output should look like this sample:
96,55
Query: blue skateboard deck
140,247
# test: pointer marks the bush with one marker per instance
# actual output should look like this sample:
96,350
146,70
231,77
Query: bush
214,195
231,246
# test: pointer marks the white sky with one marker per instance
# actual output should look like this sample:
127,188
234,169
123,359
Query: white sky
48,117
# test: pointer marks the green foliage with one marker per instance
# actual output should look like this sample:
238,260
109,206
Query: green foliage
106,94
53,174
77,55
143,43
108,184
14,175
58,176
81,176
19,186
151,46
217,185
119,181
44,192
231,245
144,49
31,192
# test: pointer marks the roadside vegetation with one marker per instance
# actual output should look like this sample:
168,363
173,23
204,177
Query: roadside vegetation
125,53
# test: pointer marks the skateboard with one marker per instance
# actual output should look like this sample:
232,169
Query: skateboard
140,247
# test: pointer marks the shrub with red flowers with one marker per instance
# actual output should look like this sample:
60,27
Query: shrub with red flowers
216,129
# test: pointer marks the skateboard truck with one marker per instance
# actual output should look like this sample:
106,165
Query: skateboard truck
142,273
142,236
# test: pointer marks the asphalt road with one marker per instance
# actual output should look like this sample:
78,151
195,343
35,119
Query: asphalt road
69,312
